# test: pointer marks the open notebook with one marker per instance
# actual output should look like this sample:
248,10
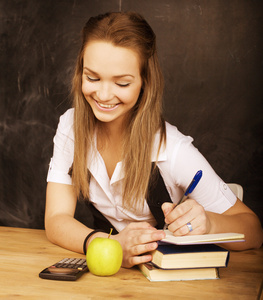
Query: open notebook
203,238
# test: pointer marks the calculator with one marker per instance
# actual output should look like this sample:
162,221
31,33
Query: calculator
68,269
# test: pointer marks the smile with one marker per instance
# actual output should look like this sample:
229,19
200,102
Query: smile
106,107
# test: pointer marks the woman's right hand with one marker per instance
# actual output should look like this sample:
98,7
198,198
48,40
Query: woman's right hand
136,240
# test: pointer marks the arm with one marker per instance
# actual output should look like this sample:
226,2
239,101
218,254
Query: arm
239,218
61,226
214,209
64,230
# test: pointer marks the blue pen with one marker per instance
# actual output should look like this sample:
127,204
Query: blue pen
189,189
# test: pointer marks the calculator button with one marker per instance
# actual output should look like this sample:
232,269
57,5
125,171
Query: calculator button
58,265
68,266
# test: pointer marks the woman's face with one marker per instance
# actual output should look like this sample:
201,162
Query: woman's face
111,80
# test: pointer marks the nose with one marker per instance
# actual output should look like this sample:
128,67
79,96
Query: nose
104,92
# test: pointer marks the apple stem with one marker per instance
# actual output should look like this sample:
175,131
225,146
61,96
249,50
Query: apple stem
110,233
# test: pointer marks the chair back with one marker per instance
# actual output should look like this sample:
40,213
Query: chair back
237,189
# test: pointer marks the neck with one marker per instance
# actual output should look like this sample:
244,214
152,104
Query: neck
110,145
112,130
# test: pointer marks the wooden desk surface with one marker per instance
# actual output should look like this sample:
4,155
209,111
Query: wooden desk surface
25,252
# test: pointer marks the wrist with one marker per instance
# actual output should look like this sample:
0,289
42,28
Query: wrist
117,237
210,223
90,237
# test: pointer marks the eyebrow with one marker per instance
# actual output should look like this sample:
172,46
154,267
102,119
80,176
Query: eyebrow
116,76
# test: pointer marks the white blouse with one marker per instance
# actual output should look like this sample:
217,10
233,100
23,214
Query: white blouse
178,162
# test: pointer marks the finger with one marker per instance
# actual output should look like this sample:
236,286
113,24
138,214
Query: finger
138,254
185,228
140,225
167,208
199,225
136,260
189,216
181,210
141,254
196,225
142,249
178,212
149,236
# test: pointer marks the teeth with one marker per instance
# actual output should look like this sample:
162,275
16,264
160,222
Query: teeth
107,105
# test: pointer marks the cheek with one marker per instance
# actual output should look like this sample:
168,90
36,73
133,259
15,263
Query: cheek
86,88
128,97
136,94
131,94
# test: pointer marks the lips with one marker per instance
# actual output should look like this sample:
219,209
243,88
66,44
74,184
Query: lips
106,107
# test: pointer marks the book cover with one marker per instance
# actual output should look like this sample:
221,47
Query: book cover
171,256
152,273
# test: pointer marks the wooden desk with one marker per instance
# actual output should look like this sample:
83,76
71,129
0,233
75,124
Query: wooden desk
25,252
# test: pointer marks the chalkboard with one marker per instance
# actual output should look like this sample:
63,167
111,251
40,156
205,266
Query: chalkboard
211,53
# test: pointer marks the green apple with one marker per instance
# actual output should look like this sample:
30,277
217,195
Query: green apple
104,256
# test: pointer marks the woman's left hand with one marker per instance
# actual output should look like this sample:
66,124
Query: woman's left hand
188,217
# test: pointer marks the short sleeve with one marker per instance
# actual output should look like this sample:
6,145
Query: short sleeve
182,162
211,192
63,150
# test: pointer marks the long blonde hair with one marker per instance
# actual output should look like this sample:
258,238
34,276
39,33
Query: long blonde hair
129,30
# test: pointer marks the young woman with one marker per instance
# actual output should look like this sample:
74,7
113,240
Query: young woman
114,149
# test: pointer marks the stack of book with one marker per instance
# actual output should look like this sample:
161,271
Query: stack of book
193,257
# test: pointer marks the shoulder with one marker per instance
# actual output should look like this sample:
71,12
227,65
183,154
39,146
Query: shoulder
176,138
67,117
176,142
66,122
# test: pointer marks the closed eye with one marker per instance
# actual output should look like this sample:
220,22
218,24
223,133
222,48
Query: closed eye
123,84
92,79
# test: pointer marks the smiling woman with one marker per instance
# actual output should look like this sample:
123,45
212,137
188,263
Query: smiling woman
114,149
